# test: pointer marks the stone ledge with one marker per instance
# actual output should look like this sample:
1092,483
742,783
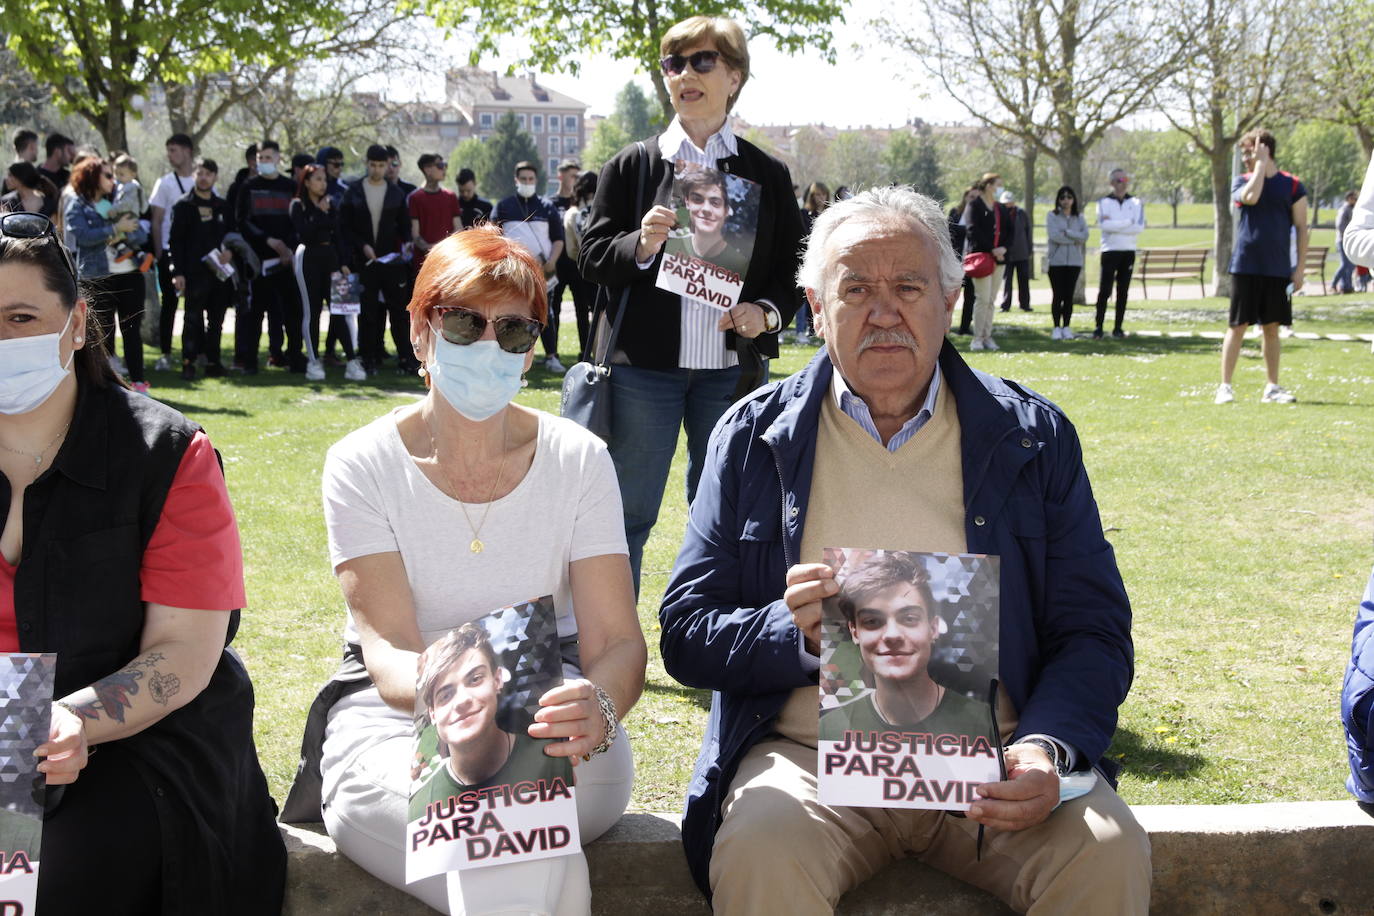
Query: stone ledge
1298,857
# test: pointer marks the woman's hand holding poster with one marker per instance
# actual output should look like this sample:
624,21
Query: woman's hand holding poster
909,649
483,792
706,257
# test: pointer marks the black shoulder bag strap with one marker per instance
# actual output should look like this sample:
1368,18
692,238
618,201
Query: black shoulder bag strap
602,300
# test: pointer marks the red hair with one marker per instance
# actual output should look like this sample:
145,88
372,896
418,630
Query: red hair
86,175
475,265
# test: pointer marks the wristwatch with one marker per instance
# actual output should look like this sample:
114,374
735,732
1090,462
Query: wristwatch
1050,748
771,319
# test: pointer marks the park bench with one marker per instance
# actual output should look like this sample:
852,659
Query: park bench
1316,264
1171,264
1286,857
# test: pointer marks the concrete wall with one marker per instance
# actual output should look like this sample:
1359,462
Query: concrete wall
1302,857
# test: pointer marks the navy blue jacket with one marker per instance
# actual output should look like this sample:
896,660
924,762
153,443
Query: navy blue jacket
1357,701
1065,620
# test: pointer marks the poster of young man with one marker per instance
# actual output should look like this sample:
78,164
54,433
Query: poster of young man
25,706
483,792
707,255
908,669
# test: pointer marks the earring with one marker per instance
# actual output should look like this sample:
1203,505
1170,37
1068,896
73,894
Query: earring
76,340
524,382
422,372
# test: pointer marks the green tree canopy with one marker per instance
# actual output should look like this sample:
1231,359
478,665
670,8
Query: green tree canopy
912,158
506,146
1169,167
1327,158
558,34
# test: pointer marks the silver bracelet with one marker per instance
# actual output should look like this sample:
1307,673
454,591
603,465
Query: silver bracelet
603,699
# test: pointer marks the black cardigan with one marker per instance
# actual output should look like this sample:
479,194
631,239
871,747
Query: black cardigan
649,334
983,225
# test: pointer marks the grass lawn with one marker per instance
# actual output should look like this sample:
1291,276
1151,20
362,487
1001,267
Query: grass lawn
1243,534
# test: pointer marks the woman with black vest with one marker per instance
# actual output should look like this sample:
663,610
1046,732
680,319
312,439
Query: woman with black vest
119,553
678,362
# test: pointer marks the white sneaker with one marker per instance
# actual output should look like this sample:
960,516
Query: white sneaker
990,344
1275,394
1066,334
354,371
553,365
1057,333
977,344
1224,394
163,364
314,371
117,365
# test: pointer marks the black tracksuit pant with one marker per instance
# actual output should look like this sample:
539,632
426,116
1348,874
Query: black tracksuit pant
1116,269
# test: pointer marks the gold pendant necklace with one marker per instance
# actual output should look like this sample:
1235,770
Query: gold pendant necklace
38,456
475,545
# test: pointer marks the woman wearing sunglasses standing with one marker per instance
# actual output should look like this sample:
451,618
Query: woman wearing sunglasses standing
117,287
679,363
119,552
446,510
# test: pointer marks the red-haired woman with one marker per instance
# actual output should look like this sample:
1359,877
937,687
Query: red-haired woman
118,288
440,512
318,255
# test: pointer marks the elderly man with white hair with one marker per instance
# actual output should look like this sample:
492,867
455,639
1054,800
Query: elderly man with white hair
888,439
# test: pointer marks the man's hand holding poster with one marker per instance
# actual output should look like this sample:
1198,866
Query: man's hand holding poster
707,256
25,710
909,649
483,792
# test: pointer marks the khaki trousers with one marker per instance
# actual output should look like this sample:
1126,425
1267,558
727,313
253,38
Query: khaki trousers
779,850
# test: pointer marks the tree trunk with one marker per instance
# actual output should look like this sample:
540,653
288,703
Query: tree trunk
1028,159
176,108
113,131
1174,204
1070,160
1221,218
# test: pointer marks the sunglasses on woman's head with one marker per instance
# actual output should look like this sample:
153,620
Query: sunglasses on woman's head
701,61
464,326
34,226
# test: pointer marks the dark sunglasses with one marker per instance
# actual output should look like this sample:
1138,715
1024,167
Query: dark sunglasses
701,61
35,226
464,326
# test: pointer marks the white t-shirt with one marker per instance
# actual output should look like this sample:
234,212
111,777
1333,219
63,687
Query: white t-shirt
169,189
567,508
376,500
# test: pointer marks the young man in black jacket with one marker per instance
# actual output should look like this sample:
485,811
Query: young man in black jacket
375,221
263,216
200,221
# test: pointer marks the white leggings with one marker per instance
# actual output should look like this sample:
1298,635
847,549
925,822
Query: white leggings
366,817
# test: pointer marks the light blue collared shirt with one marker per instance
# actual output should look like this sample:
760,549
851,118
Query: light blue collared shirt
855,408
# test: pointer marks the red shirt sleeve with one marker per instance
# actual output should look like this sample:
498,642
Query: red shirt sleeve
194,559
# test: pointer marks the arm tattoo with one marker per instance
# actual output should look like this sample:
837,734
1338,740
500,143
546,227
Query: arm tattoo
113,692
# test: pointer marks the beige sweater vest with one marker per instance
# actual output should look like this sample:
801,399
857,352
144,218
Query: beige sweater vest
862,495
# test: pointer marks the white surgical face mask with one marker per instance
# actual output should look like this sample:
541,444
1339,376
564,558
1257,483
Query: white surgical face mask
31,369
524,190
477,379
267,169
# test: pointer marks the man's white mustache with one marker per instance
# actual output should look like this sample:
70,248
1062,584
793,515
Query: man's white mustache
888,338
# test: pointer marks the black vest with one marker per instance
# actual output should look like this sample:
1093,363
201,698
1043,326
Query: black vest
87,521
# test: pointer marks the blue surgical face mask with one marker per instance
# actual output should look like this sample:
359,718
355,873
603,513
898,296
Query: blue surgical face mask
31,369
477,379
103,208
267,169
